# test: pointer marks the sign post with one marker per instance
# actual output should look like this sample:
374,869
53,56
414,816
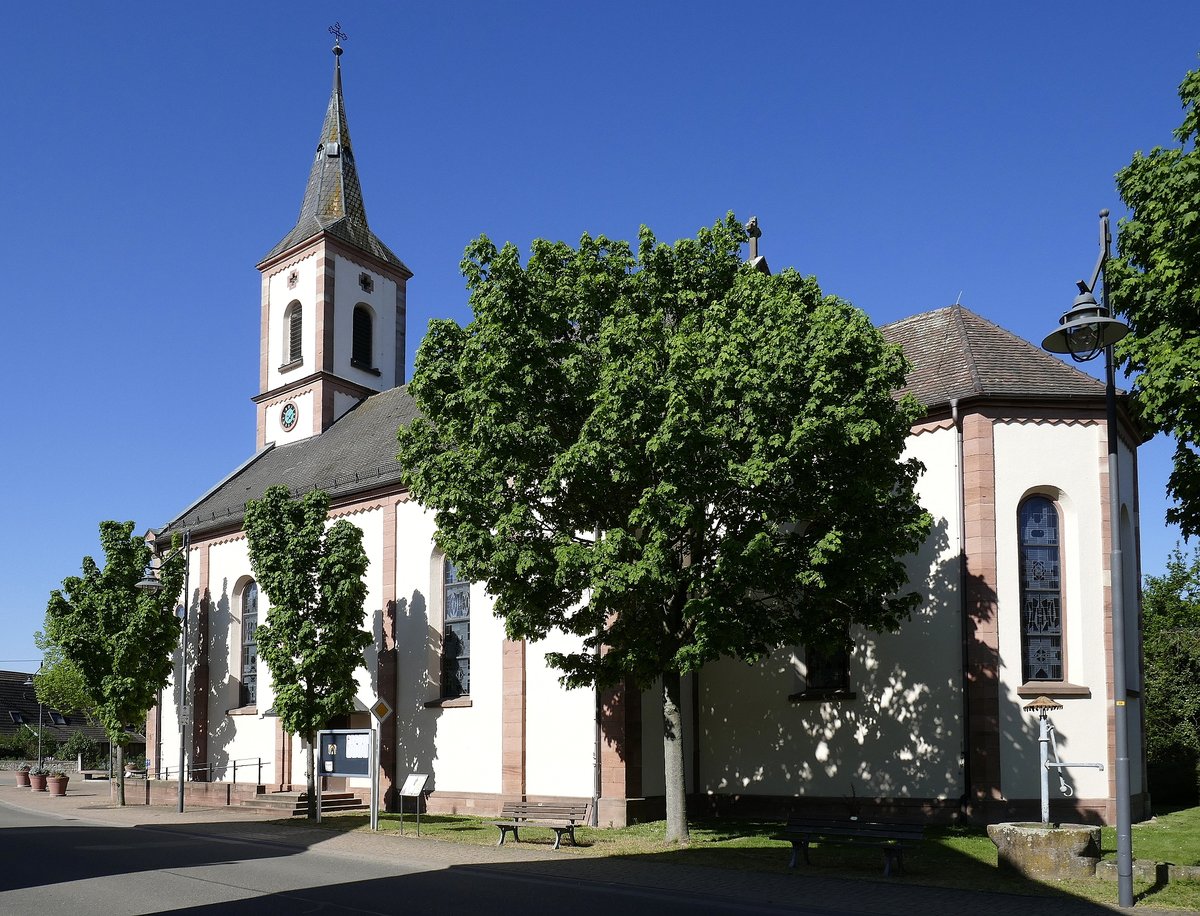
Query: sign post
380,710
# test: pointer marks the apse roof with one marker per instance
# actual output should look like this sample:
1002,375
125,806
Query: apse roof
958,354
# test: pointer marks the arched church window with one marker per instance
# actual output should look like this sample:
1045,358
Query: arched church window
249,691
1041,590
360,353
294,328
456,632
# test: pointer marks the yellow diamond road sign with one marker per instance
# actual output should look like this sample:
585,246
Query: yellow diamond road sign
381,710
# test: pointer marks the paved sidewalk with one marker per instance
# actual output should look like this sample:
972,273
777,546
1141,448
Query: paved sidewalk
89,801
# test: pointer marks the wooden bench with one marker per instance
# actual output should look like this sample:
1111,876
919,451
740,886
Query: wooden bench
559,818
94,774
892,839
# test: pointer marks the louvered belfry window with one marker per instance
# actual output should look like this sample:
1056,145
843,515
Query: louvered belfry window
360,354
295,333
1041,590
456,633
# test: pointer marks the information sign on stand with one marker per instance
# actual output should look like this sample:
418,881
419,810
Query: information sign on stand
346,752
413,787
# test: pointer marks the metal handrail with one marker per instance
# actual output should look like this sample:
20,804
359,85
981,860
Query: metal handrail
211,769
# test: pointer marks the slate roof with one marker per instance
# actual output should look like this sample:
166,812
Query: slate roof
957,354
16,697
358,452
333,201
954,352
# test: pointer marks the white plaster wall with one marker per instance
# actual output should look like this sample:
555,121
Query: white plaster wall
307,417
899,737
459,747
1063,461
560,725
382,301
279,297
342,402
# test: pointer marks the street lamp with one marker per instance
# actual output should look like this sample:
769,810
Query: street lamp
149,582
29,683
1086,330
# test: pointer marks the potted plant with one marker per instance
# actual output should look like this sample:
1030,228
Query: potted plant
37,778
23,775
57,782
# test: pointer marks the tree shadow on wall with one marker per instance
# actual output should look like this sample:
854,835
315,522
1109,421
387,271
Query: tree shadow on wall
416,725
224,688
897,739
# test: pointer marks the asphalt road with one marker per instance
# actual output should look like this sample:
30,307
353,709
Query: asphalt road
51,864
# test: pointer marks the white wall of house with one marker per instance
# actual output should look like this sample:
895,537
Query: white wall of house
1063,461
901,733
460,745
560,725
280,296
381,301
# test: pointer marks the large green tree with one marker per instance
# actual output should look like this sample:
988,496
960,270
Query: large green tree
1155,283
117,637
1171,641
312,640
670,455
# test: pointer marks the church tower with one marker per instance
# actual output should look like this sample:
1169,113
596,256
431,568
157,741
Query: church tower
333,299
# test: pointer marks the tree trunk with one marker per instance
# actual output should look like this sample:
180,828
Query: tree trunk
310,770
677,827
121,775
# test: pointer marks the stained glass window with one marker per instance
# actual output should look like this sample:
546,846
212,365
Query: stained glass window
456,633
249,691
1041,590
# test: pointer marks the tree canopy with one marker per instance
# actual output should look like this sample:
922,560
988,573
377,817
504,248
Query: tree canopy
117,637
671,455
59,683
1155,284
1171,614
312,639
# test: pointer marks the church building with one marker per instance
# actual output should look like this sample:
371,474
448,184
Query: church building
930,719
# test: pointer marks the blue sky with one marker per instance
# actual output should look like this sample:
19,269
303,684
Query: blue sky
903,153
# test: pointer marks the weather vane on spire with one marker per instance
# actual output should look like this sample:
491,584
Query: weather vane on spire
338,36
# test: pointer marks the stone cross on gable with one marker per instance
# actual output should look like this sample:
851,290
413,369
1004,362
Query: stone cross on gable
755,234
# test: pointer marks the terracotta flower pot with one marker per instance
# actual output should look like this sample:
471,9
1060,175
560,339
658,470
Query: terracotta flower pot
37,783
23,778
57,784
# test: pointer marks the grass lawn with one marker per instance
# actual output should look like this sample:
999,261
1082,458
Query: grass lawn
949,857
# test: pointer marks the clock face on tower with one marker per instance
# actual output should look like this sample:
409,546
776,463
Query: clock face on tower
288,416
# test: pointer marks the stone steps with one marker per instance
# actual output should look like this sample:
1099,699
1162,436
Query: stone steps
291,804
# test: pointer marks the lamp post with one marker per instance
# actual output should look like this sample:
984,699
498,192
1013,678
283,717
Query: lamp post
1085,331
29,683
150,583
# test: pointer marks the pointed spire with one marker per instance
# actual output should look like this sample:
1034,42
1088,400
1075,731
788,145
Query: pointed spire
333,200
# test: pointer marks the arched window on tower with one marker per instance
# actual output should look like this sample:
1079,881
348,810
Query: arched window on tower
1041,589
360,353
293,341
